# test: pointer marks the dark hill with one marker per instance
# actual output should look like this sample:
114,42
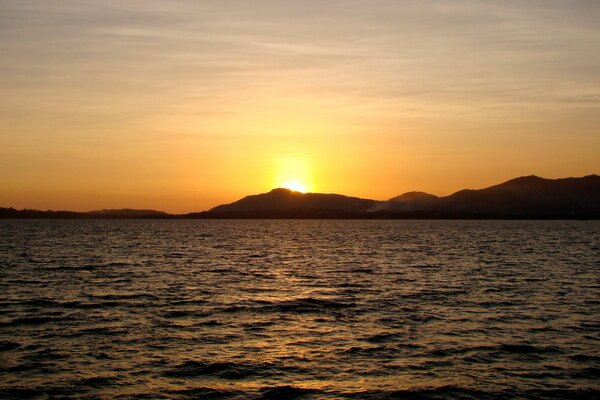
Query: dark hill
414,201
127,213
529,197
287,203
100,214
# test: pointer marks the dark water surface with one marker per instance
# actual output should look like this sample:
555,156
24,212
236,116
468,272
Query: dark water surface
300,309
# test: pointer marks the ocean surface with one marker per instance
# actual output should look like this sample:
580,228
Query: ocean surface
207,309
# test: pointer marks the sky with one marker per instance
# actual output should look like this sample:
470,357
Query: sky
184,105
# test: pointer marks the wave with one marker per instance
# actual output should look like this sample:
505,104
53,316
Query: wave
228,369
204,393
463,393
225,370
29,321
6,345
519,348
284,392
298,306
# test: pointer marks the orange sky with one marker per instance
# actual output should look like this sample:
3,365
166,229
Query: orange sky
181,106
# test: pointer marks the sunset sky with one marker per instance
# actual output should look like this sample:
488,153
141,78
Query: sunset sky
183,105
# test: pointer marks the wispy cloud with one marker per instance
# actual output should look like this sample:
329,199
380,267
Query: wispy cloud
81,72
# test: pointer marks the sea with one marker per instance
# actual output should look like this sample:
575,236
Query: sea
299,309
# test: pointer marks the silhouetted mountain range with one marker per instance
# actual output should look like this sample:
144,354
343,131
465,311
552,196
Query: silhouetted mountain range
528,197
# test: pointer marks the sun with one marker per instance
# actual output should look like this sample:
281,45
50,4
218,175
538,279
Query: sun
295,186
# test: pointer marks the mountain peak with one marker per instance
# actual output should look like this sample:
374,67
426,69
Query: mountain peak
283,191
413,196
286,200
528,179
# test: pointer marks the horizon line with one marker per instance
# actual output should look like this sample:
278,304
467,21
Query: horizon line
99,210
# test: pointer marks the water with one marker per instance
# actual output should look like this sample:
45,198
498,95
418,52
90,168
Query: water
300,309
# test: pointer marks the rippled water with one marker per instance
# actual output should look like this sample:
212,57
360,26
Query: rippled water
300,309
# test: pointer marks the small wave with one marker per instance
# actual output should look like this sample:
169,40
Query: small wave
205,393
86,305
194,302
440,393
211,322
382,337
95,382
424,266
6,346
284,392
493,304
28,366
298,306
47,355
52,304
363,271
593,325
309,304
225,370
587,373
20,393
369,351
464,393
350,285
229,370
29,321
527,349
585,358
124,296
422,318
176,314
104,331
39,303
23,281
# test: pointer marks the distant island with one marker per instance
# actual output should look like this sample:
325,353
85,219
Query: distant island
528,197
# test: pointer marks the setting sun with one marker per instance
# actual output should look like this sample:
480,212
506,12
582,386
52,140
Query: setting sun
295,186
292,172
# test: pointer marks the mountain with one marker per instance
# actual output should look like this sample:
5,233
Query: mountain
414,201
524,197
527,197
531,197
285,203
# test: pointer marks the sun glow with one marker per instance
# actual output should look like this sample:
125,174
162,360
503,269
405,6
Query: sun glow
292,172
295,186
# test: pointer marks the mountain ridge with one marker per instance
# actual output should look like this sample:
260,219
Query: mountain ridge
525,197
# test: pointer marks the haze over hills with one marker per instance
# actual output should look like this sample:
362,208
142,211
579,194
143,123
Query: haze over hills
528,197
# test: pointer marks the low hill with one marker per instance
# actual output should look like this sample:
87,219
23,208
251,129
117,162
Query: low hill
99,214
127,213
414,201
